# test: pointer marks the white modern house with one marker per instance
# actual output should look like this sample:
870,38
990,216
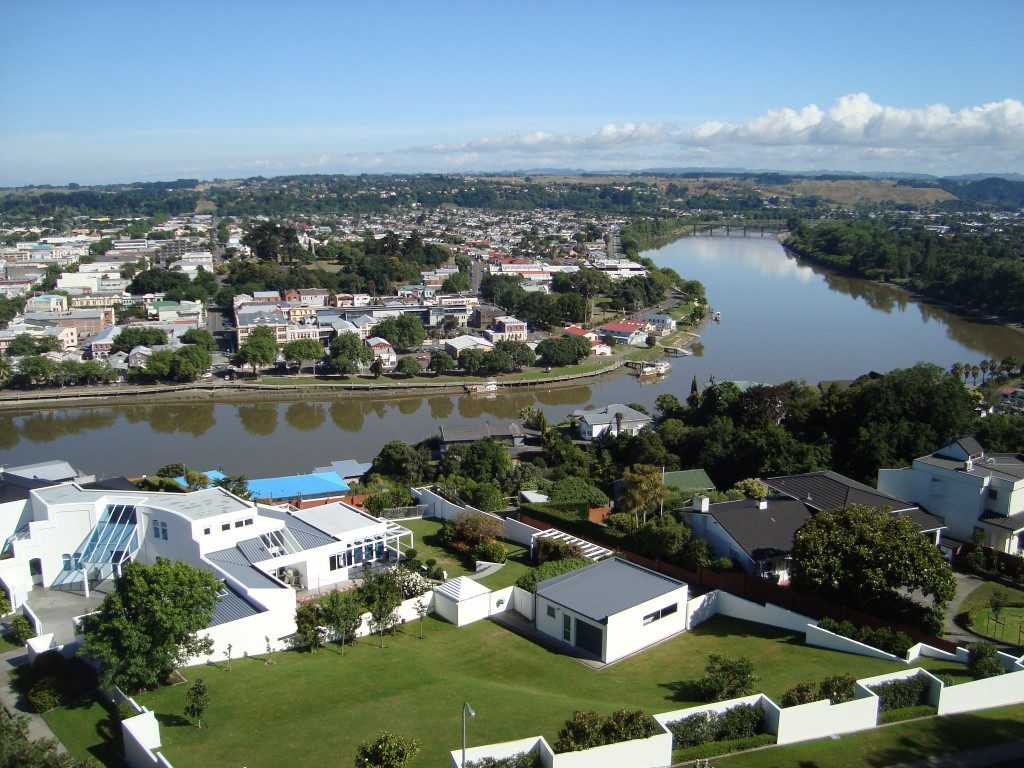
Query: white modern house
969,487
611,609
616,418
69,538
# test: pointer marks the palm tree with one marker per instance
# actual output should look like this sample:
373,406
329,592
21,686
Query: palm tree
975,372
983,368
619,418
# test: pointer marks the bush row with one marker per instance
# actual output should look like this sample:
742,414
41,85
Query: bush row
53,681
529,759
715,748
585,730
836,689
900,694
548,570
885,639
740,722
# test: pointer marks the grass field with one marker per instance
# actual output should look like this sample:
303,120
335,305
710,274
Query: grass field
314,709
1009,627
892,744
427,547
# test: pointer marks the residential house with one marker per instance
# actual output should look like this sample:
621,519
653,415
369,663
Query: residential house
661,324
48,302
383,351
610,609
617,419
628,332
507,328
974,490
458,345
597,346
452,435
266,297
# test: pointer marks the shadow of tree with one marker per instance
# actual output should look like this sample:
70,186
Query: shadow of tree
172,721
686,691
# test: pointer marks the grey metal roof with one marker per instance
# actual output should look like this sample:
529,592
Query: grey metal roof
232,607
234,563
469,433
826,491
1006,466
53,471
607,414
606,588
308,536
336,520
1012,523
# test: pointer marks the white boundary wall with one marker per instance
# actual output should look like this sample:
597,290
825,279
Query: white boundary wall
506,749
443,509
997,691
822,638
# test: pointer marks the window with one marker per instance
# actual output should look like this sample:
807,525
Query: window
248,521
668,610
337,562
993,494
238,523
551,611
163,531
226,527
156,529
206,531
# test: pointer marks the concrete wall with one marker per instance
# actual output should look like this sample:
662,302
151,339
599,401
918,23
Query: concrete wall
822,718
739,608
445,510
523,602
1007,688
701,608
506,749
626,633
654,752
822,638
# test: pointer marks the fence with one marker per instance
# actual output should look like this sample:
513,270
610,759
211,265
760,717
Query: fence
405,513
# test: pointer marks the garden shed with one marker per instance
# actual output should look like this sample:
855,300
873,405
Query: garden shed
462,601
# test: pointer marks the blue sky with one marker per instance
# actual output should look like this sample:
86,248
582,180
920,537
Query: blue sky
109,91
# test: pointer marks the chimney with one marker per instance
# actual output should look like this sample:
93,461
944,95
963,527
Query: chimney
969,464
701,503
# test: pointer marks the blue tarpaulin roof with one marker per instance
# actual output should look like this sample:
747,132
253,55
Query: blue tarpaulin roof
211,474
315,485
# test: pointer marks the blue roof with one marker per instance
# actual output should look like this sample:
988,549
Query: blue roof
298,486
212,475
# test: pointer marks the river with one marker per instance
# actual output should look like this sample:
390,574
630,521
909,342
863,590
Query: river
780,320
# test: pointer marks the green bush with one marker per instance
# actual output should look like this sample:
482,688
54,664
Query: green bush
529,759
47,693
837,689
491,552
21,630
123,711
549,570
885,639
802,693
740,722
983,662
48,664
715,748
555,549
727,678
900,694
585,730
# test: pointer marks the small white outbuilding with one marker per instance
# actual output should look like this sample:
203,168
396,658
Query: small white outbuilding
462,601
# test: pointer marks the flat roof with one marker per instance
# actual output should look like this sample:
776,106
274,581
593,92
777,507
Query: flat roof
197,505
336,520
606,588
294,486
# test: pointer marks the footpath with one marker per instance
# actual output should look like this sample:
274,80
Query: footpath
12,701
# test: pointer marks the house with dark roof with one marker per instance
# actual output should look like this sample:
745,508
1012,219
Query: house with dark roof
971,488
611,609
510,434
758,534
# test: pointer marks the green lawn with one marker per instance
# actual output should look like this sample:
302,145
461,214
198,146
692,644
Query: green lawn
428,547
1010,628
892,744
6,645
983,593
313,710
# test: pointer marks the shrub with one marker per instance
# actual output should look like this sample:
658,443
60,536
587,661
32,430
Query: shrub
585,730
739,722
124,711
548,570
620,522
491,552
907,713
47,693
529,759
885,639
727,678
982,661
900,694
49,664
722,565
21,630
430,562
837,689
801,693
411,583
411,553
553,549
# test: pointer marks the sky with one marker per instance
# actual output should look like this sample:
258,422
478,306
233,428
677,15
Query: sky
102,92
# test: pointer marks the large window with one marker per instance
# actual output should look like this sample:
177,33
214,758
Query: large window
668,610
337,562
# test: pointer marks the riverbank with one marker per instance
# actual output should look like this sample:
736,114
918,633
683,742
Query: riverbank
290,388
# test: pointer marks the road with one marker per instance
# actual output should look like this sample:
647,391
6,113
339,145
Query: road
476,275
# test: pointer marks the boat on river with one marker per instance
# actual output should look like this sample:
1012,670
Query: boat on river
657,368
487,388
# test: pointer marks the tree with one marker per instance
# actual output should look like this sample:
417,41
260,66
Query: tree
309,625
644,491
519,352
259,350
35,370
667,404
150,623
197,701
408,367
388,750
421,613
347,352
983,661
382,594
662,537
440,362
200,337
343,613
859,554
270,241
235,484
131,337
404,332
190,362
21,345
301,350
159,364
400,461
6,374
752,488
377,368
486,460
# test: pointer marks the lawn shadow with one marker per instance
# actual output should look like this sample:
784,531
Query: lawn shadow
172,721
685,691
952,735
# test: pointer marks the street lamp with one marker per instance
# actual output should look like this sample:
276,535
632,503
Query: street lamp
466,710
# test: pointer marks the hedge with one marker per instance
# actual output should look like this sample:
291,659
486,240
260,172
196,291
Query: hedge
885,639
715,748
48,693
573,517
907,713
900,694
529,759
585,730
549,570
740,722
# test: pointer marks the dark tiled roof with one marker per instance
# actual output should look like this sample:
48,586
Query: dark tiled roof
606,588
1009,523
825,491
763,534
468,433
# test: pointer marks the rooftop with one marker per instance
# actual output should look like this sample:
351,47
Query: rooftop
763,534
606,588
463,433
607,414
461,588
298,486
197,505
337,520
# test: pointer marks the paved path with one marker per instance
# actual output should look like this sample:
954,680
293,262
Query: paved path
965,584
492,568
1006,755
12,700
